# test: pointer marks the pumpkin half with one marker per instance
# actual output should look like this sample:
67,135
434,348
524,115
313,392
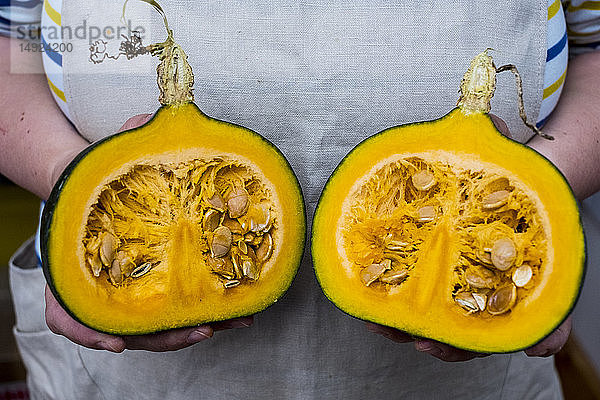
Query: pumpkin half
182,221
448,230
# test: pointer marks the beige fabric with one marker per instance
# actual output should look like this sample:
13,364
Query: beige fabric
315,78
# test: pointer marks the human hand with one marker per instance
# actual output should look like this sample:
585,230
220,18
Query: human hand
61,323
547,347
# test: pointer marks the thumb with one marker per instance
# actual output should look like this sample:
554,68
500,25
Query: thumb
135,121
500,125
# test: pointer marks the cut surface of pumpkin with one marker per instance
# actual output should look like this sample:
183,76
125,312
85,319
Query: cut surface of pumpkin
481,234
148,231
182,221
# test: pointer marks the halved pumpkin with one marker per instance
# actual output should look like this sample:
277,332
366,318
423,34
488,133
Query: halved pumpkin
448,230
182,221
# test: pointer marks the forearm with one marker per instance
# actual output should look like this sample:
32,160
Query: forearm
575,125
36,140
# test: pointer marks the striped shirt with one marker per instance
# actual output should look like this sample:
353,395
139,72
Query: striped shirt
573,28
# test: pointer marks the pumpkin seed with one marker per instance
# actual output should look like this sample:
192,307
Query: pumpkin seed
480,278
125,262
233,225
225,274
93,245
115,274
484,256
243,246
259,217
502,300
394,277
467,301
396,245
217,202
250,269
371,273
265,249
481,300
496,199
426,213
141,270
522,275
237,265
108,247
216,263
498,184
423,180
211,220
95,263
222,267
238,201
231,283
503,253
221,241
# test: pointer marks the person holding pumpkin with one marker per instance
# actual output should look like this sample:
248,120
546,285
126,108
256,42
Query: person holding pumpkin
318,79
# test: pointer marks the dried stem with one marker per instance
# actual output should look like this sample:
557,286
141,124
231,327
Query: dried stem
522,114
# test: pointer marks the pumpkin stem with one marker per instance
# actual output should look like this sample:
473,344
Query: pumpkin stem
522,114
175,77
478,86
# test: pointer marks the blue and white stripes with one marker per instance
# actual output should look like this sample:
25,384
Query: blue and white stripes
33,19
19,13
583,26
51,21
557,57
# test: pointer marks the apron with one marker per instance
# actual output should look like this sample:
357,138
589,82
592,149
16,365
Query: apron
315,78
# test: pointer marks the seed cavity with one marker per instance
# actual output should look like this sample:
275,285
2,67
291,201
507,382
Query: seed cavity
222,204
493,235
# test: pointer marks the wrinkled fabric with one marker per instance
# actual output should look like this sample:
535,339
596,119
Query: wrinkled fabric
315,79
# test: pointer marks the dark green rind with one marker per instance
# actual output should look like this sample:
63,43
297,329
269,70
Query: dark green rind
327,188
47,216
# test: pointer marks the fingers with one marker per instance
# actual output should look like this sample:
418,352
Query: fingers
243,322
171,340
500,125
553,343
396,335
436,349
135,121
445,352
63,324
176,339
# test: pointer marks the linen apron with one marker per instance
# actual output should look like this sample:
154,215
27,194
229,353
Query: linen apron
315,78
